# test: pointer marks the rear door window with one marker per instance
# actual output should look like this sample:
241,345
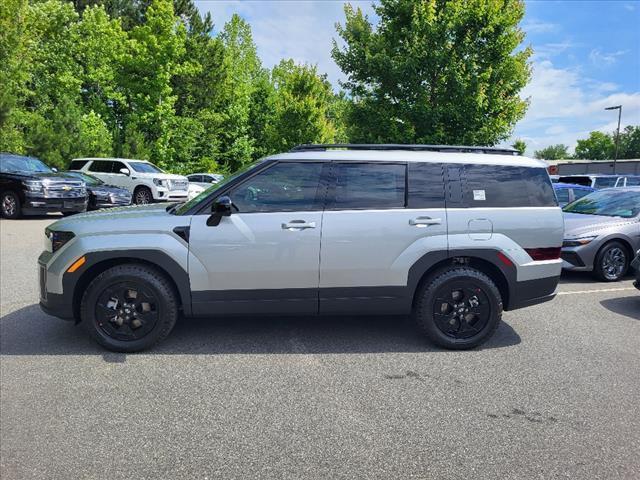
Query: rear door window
101,166
369,186
507,186
426,185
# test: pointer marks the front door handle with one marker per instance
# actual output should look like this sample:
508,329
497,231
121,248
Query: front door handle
425,221
298,225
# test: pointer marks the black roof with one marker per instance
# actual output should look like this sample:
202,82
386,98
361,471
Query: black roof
397,146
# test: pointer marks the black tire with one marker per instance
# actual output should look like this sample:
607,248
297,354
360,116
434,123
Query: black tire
611,252
68,214
475,326
159,315
142,196
10,206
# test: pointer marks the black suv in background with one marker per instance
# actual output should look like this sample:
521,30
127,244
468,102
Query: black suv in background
29,187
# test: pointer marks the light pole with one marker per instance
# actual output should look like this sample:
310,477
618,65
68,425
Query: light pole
619,108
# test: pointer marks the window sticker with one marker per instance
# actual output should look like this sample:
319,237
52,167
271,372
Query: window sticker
479,195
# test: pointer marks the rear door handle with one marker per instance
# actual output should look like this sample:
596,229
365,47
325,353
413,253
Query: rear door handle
425,221
298,225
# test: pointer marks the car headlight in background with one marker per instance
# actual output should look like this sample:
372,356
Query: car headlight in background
578,242
34,186
56,240
161,183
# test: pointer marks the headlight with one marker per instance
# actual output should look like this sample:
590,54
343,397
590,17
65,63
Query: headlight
578,242
57,239
34,186
161,183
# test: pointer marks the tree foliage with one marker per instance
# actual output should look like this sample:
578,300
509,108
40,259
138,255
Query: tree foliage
553,152
520,146
434,71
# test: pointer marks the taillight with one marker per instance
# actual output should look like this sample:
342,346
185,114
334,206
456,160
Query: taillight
550,253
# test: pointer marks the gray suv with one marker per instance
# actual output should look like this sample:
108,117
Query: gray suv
451,235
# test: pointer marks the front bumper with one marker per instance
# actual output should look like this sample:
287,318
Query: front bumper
579,259
165,195
38,205
57,305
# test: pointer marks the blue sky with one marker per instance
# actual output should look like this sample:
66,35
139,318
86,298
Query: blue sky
587,57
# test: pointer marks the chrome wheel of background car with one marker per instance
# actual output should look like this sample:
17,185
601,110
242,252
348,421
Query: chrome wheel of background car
127,311
614,262
142,197
461,310
9,205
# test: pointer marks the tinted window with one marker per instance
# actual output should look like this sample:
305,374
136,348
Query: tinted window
426,185
77,164
579,193
369,185
116,166
586,181
633,181
563,195
286,186
605,182
500,186
100,166
194,178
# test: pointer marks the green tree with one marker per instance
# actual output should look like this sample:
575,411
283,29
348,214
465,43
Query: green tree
629,142
435,71
520,146
301,107
599,146
553,152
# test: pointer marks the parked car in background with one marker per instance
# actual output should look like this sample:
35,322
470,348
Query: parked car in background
570,192
102,195
205,179
554,178
441,232
195,190
29,187
599,181
602,232
146,182
636,266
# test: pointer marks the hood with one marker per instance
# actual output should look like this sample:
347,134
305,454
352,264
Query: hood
43,175
119,219
578,225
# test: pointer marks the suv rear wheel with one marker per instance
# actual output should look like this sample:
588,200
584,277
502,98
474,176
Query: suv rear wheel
10,205
459,308
129,308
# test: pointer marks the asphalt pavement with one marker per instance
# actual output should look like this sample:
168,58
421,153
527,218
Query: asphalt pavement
554,394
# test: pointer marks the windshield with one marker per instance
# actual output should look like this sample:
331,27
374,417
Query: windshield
143,167
88,179
18,163
185,207
609,203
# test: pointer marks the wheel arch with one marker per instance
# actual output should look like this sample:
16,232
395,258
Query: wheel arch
98,262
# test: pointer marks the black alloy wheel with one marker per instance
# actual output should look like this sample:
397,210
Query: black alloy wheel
461,310
10,205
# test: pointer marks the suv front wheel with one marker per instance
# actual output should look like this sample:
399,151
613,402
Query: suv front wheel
142,196
459,308
129,308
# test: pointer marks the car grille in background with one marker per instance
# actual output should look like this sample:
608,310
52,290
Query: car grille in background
64,189
178,184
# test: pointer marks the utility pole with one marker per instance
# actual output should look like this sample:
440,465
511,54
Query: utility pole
615,159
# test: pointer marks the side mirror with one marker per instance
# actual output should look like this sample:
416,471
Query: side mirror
54,169
124,171
220,208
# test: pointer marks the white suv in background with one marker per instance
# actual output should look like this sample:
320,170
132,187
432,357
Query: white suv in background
146,182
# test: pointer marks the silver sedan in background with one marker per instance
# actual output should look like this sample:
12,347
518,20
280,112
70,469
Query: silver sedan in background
602,232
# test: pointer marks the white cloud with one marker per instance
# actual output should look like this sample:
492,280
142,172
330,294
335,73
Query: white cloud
565,106
600,58
534,26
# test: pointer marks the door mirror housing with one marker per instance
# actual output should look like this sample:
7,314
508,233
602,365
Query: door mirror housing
54,169
220,208
124,171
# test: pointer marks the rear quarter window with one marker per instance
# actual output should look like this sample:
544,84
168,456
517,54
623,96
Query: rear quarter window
500,186
77,164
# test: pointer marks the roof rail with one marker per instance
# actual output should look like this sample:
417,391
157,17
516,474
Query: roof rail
311,147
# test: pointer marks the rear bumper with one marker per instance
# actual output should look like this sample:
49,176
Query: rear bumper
533,292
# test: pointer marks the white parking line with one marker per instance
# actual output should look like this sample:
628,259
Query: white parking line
597,291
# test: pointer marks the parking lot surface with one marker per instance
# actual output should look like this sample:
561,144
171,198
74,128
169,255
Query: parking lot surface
554,394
